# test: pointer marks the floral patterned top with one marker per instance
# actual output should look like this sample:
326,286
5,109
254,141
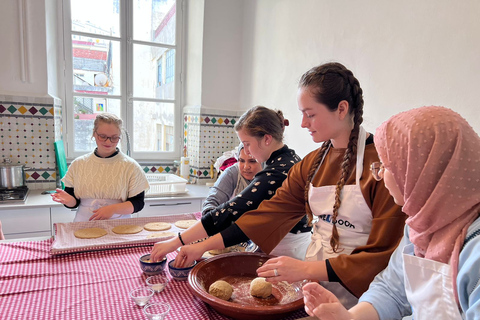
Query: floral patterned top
262,187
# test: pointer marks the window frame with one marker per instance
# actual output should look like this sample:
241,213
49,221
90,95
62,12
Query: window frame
126,97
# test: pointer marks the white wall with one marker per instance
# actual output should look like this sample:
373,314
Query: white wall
405,54
35,59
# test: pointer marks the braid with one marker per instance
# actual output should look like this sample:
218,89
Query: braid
314,167
349,159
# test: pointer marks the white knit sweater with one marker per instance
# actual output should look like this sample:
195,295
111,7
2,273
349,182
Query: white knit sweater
118,177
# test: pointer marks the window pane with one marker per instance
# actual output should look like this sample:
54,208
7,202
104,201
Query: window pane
153,126
154,21
153,72
85,111
98,17
96,66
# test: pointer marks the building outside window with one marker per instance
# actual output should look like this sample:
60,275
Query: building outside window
123,57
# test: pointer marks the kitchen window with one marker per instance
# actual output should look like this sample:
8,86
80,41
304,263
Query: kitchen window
124,57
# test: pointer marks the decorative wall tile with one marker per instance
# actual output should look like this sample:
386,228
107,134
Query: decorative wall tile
27,134
208,134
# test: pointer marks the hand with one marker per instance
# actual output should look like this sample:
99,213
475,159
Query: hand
160,249
188,254
103,213
63,197
288,269
321,303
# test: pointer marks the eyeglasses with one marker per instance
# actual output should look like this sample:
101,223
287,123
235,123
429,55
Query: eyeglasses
378,170
104,137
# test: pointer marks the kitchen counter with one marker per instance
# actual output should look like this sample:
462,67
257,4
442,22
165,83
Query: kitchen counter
36,199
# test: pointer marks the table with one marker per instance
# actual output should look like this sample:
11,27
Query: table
86,285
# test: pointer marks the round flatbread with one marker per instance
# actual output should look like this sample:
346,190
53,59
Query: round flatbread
90,233
185,224
127,229
160,235
157,226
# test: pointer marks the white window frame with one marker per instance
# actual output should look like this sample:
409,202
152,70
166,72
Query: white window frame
126,86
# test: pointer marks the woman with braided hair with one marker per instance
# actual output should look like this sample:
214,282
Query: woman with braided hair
358,225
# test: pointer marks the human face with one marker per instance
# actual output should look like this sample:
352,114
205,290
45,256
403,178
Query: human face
254,146
105,147
322,123
248,166
379,172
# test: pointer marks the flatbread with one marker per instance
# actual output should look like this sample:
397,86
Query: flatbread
160,235
157,226
185,224
90,233
127,229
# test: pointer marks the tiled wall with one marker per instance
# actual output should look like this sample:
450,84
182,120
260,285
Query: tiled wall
28,128
208,133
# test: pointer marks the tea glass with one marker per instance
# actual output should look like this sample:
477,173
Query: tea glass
157,283
156,311
141,295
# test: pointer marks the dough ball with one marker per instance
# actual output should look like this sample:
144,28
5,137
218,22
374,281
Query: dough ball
260,288
221,289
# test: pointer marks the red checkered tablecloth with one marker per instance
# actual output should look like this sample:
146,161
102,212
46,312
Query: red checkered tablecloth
86,285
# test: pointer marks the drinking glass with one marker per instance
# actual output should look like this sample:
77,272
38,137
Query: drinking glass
156,311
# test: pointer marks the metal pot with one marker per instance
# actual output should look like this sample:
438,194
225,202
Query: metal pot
11,175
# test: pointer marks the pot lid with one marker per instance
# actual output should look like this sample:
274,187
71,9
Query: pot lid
8,163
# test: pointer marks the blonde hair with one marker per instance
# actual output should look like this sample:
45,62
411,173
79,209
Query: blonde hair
108,118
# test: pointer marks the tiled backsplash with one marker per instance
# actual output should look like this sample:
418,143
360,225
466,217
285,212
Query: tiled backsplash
208,134
28,128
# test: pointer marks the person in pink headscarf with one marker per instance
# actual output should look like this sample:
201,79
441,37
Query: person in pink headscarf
430,163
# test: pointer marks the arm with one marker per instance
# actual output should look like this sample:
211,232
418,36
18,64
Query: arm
387,291
192,234
468,279
223,189
261,188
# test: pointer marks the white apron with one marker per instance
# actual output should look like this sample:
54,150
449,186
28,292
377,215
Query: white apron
354,222
87,206
429,288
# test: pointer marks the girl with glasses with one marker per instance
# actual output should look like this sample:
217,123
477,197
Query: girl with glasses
431,166
104,184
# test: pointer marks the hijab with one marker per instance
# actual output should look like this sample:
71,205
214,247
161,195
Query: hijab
434,156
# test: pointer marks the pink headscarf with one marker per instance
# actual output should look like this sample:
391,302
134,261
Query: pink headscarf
434,156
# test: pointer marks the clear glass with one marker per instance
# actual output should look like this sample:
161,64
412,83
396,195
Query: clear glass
157,283
153,126
141,295
154,21
153,72
85,111
96,65
156,311
98,17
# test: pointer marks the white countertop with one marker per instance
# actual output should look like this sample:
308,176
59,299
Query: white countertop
35,198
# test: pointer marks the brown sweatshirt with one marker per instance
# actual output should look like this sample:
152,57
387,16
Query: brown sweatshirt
274,218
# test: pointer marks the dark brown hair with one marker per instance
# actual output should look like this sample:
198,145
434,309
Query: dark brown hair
259,121
330,84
